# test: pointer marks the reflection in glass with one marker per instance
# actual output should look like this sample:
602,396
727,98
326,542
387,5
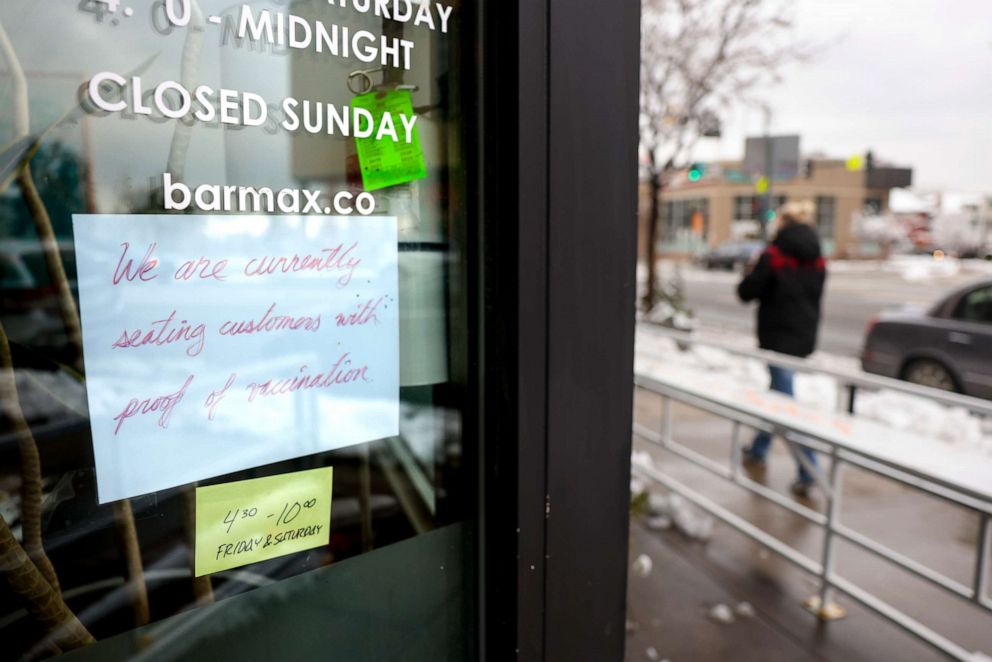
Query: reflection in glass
88,571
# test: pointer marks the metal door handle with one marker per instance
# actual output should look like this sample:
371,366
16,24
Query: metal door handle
959,338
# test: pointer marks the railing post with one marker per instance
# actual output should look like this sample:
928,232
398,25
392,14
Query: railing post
842,396
666,421
981,559
735,451
822,604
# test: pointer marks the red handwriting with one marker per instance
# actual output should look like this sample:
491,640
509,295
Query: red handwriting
201,268
363,315
270,322
340,373
142,271
163,403
164,333
216,396
336,259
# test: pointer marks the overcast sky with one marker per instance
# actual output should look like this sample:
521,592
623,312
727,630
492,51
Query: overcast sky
910,79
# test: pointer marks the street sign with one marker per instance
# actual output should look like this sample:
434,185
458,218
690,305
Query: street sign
784,157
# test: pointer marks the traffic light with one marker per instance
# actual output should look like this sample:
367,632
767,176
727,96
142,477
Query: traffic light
696,171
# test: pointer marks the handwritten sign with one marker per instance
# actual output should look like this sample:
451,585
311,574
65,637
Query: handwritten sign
219,343
259,519
389,162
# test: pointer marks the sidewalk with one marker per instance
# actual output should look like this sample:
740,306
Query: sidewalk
669,607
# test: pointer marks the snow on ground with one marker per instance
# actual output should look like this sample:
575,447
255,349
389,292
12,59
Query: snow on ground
916,268
910,268
952,425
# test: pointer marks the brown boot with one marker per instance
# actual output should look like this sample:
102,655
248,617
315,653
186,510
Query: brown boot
754,467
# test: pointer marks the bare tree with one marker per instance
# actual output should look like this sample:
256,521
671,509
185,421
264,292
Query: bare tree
698,59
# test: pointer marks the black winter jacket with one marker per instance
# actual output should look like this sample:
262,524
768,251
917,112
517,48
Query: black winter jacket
788,283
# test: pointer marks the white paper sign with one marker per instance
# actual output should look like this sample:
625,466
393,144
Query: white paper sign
219,343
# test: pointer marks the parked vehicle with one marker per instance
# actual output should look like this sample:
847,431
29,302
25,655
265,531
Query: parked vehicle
731,255
948,346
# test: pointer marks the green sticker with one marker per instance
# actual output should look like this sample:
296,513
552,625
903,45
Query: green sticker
384,161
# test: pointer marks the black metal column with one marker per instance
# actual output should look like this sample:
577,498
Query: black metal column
559,162
594,62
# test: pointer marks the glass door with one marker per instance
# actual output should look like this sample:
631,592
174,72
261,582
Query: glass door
235,330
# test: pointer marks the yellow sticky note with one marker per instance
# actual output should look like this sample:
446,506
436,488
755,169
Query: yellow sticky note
254,520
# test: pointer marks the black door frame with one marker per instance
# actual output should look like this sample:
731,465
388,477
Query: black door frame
558,160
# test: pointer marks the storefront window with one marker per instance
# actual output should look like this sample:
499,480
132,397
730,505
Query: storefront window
826,217
233,255
748,207
686,224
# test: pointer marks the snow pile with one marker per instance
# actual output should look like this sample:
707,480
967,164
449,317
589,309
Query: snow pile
913,267
953,425
818,391
642,565
722,613
665,314
665,351
681,514
744,610
856,266
919,268
641,459
665,511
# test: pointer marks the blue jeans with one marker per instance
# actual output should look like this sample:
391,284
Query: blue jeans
781,382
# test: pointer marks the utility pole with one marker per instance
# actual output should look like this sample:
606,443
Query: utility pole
985,212
769,174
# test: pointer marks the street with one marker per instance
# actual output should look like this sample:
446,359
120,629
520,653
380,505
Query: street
854,294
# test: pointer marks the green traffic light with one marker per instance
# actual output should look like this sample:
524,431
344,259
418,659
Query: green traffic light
695,173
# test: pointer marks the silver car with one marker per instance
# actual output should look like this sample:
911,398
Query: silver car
948,346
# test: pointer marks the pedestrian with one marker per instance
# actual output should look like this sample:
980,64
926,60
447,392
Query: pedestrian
787,282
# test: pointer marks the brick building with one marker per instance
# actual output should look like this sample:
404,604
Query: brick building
720,203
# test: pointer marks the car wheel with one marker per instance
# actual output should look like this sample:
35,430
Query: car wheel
927,372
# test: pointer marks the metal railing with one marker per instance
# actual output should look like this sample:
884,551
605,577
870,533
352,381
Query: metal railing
832,485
